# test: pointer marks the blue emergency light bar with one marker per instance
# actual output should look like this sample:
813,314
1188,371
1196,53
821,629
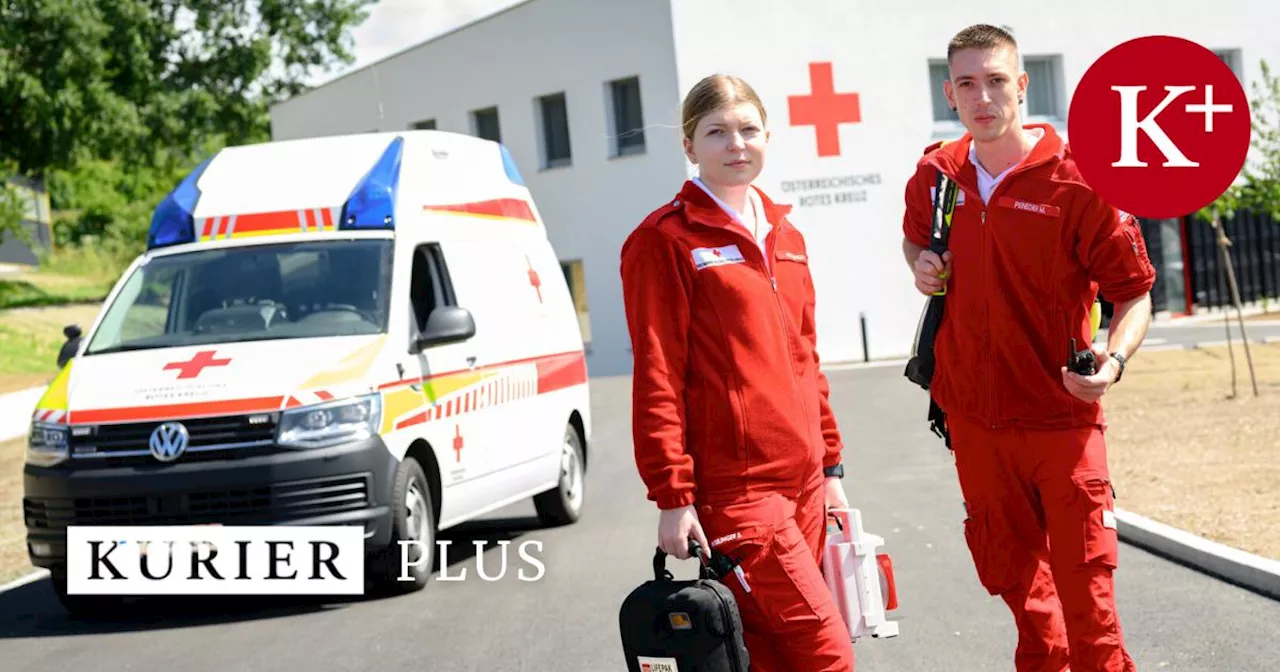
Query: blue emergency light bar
372,205
173,222
509,164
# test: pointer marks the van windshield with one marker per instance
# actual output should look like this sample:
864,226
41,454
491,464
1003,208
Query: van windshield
255,293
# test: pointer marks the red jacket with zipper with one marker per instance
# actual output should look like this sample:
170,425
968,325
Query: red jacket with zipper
1026,268
728,402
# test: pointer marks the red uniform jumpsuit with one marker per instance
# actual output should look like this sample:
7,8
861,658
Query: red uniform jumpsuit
730,413
1031,457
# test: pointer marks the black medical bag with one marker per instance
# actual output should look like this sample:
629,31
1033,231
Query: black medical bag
685,626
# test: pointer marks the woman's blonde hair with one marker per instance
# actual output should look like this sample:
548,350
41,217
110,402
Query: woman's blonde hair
713,93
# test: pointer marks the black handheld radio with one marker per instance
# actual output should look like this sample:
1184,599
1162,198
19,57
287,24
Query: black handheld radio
1082,362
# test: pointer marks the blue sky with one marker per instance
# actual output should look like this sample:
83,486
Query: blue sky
395,25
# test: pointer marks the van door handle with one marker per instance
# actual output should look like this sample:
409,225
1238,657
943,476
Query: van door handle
471,362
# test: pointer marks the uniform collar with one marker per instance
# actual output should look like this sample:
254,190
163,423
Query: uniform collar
952,157
702,207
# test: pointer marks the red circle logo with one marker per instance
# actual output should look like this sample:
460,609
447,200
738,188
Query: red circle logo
1159,127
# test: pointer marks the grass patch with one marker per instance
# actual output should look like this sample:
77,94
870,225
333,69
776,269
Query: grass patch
43,289
1184,453
71,275
30,339
23,352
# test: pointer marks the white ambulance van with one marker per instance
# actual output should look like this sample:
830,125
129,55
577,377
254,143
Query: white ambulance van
367,330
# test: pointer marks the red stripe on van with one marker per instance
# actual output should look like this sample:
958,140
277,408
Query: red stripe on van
415,419
268,221
172,411
515,208
561,371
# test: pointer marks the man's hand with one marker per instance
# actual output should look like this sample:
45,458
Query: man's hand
675,527
931,271
836,498
1091,388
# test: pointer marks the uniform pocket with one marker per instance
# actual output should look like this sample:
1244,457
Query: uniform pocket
1095,501
804,591
777,583
993,548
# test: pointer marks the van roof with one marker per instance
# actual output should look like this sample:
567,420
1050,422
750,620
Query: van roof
367,181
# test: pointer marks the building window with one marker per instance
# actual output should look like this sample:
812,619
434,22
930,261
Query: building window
424,125
577,279
1044,86
628,121
940,72
484,124
1233,59
553,113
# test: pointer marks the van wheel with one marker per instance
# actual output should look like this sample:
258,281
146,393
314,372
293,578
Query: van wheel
412,520
86,606
562,505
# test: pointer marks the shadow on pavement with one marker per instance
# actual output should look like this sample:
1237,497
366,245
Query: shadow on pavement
33,610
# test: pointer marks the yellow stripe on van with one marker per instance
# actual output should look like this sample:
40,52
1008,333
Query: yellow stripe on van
443,387
55,396
397,403
349,369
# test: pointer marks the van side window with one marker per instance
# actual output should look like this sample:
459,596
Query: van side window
430,285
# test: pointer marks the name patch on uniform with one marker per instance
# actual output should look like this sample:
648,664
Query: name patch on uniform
1028,206
717,256
793,256
728,537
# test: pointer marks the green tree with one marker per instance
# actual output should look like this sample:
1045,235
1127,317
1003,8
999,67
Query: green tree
10,205
1258,191
141,80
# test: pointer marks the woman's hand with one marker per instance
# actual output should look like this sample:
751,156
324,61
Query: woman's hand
676,527
836,498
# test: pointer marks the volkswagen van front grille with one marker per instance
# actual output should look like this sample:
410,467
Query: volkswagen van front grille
124,444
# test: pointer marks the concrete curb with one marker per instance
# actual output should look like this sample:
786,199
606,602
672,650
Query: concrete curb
1199,345
24,580
15,411
1232,565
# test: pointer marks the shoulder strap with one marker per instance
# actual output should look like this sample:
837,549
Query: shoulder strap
944,205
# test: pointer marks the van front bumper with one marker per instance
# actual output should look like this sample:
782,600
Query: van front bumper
350,484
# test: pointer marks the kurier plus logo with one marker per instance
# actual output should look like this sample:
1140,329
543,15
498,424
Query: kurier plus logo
1159,127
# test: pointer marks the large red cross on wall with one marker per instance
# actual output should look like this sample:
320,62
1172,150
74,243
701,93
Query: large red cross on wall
824,109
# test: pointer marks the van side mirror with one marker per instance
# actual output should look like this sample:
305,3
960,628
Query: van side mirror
72,346
446,324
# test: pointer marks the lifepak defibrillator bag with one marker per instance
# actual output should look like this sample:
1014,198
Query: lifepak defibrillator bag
921,363
683,626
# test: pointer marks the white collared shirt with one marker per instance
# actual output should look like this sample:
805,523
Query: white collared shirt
987,183
753,199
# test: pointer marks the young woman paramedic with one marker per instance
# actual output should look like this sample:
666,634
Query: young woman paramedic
734,435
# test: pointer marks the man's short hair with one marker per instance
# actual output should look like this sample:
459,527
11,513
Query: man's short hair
980,36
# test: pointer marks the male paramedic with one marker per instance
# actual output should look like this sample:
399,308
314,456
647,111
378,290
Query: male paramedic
734,435
1030,246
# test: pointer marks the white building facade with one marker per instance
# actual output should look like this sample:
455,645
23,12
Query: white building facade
586,95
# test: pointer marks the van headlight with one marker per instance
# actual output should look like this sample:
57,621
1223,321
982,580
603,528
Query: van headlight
330,423
47,444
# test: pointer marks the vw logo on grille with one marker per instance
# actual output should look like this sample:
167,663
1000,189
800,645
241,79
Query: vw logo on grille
169,441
